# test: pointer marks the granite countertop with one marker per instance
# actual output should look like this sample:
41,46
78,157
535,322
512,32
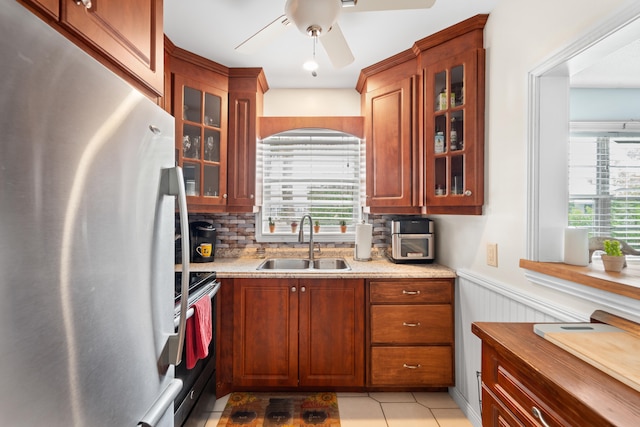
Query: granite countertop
378,268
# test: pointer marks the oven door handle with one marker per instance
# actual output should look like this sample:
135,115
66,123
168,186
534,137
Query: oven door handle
175,183
212,293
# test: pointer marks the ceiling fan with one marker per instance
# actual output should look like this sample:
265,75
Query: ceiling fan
319,19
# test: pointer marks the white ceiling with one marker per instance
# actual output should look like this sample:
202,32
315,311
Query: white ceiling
619,69
213,28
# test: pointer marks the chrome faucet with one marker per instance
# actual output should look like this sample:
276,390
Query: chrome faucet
301,234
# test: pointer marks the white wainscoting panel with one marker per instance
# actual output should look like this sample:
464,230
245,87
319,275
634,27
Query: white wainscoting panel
481,300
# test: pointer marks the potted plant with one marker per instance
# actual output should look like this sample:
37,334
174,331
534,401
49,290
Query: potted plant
343,226
294,226
272,225
316,226
613,259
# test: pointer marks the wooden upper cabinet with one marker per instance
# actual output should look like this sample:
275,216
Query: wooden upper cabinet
390,137
127,36
425,135
246,89
453,74
129,33
200,111
454,138
50,8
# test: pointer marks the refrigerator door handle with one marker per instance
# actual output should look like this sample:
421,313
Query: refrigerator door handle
174,186
162,403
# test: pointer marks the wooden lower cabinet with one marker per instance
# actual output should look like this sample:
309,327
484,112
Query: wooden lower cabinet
298,333
529,382
411,365
410,337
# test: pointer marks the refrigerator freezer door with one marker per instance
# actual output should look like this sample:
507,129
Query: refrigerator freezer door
86,238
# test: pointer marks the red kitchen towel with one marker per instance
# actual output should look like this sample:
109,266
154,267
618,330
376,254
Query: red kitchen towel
199,332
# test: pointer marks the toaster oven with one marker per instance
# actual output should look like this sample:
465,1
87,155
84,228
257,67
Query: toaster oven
412,240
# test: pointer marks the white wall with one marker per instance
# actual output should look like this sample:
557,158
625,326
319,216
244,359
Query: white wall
313,102
519,36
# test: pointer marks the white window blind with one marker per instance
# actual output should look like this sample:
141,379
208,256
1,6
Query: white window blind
604,183
310,171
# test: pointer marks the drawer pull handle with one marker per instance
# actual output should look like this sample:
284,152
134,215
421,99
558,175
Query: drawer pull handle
538,414
411,325
404,365
410,292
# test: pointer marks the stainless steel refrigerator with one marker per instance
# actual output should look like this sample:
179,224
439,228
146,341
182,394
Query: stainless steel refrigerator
87,201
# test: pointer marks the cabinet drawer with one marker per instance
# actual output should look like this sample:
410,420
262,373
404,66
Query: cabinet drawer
521,396
412,366
412,324
407,292
494,413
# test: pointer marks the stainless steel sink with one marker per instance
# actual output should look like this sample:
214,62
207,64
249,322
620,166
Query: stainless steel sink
304,264
285,264
330,264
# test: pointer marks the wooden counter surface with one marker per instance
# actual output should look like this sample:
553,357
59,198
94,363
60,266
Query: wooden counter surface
582,390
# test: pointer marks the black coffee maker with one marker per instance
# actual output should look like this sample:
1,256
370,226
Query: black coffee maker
202,235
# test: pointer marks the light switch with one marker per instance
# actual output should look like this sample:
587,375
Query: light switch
492,254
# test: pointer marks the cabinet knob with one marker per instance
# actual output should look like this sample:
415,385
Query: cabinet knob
224,196
86,3
303,289
293,289
404,292
468,193
251,196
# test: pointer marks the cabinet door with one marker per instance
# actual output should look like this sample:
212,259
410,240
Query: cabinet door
331,332
242,150
201,141
129,33
390,144
454,134
265,337
49,7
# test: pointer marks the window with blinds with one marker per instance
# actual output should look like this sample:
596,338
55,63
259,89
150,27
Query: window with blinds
310,171
604,182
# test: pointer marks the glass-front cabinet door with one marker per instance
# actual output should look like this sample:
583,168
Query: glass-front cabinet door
201,147
452,133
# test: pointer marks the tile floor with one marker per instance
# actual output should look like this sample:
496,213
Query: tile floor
387,410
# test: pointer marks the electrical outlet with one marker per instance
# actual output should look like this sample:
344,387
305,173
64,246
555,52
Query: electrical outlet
492,254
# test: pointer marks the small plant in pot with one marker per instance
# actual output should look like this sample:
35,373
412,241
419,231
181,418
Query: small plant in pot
316,226
343,226
613,259
294,226
272,225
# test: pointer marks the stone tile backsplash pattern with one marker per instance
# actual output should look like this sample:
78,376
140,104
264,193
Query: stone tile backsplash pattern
236,235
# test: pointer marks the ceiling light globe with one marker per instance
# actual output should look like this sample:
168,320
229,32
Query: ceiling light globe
310,65
313,13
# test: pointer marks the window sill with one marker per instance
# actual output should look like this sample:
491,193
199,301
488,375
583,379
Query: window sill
625,283
284,237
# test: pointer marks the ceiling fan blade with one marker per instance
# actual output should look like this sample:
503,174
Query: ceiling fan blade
336,47
378,5
264,36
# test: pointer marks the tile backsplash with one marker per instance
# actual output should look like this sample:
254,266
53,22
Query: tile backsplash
236,235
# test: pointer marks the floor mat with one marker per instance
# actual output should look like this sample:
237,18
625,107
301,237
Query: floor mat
247,409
